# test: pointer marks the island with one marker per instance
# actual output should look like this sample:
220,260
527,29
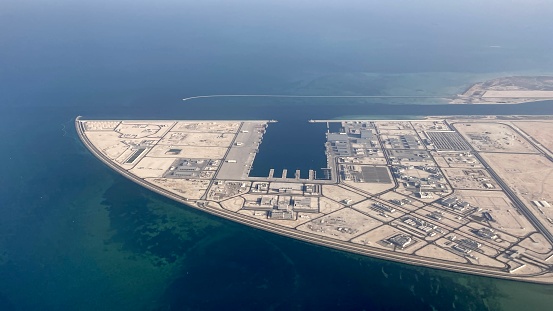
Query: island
465,194
508,90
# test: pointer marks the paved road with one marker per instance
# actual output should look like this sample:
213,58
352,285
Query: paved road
512,196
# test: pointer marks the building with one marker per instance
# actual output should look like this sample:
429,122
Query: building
267,201
281,214
487,233
339,143
385,208
449,202
401,240
488,216
425,195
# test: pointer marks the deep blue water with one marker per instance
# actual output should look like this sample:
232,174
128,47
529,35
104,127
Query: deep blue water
75,235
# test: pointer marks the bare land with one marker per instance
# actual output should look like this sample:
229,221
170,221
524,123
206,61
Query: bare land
508,90
542,132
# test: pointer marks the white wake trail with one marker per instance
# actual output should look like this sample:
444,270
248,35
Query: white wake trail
308,96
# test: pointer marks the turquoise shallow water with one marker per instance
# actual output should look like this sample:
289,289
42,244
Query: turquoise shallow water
75,235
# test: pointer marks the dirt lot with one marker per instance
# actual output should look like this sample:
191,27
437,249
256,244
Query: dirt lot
343,224
207,127
542,131
493,137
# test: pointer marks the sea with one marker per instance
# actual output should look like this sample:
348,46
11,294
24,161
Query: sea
75,235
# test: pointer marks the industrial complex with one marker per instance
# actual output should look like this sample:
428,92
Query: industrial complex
463,194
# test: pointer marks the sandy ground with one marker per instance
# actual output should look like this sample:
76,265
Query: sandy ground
456,159
532,182
501,208
154,129
233,204
537,243
327,206
542,131
101,125
433,251
373,237
151,167
191,152
344,224
207,127
340,194
494,137
508,90
518,94
372,188
367,207
469,178
198,139
110,143
414,205
189,189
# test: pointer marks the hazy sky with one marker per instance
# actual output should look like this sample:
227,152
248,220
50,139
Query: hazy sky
46,43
